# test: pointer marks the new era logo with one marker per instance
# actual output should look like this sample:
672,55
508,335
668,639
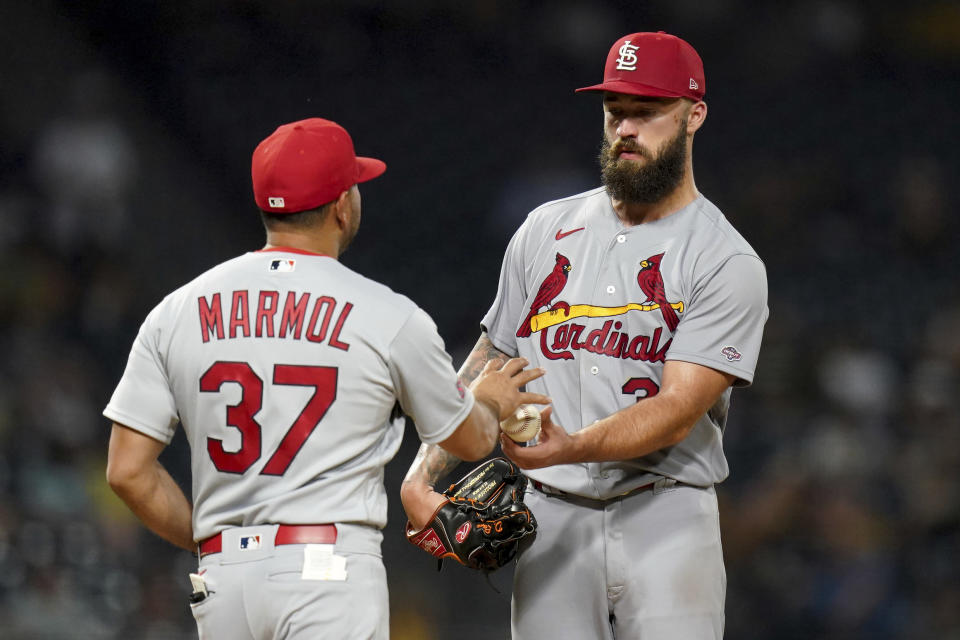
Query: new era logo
693,84
276,202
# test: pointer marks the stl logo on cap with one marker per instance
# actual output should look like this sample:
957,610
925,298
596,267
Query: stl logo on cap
628,57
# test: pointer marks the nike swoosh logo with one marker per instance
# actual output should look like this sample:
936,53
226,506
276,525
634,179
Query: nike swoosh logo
561,234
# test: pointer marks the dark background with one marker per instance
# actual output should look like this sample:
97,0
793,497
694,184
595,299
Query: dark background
126,130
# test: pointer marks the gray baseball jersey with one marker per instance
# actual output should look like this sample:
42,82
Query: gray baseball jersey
602,306
285,369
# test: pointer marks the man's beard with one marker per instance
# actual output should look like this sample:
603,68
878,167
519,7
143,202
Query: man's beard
628,181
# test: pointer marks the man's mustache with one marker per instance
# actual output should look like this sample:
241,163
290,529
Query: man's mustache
627,146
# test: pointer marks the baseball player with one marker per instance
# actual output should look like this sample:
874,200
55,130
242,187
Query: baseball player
290,374
645,307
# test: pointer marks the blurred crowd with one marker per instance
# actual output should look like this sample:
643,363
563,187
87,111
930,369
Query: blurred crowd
126,135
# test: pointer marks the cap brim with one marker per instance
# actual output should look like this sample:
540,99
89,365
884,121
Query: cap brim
632,89
370,168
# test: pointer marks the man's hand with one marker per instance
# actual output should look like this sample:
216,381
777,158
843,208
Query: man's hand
499,387
554,446
497,394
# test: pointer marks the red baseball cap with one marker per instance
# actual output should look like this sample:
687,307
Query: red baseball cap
653,64
305,164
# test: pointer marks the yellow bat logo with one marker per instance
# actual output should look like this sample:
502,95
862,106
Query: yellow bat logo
546,319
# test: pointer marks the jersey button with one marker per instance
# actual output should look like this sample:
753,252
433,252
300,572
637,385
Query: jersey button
594,370
611,289
621,238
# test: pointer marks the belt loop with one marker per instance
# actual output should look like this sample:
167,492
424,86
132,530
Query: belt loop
663,484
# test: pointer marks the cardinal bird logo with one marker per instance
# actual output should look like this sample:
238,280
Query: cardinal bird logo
552,285
651,283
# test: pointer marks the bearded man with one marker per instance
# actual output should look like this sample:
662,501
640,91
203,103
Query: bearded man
664,305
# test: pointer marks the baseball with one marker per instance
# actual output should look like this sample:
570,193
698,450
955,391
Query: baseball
523,425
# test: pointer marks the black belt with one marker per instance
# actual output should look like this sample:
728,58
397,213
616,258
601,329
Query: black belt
547,490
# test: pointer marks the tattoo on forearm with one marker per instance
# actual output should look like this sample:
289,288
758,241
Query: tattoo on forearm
432,464
483,352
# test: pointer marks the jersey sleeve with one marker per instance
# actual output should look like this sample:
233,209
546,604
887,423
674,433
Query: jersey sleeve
723,325
143,400
503,317
428,389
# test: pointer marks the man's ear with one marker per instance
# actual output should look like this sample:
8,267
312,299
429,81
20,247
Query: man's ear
341,210
696,116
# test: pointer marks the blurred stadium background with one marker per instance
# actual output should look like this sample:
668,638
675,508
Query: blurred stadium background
126,130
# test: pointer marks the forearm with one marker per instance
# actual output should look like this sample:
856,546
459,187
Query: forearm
157,500
418,495
431,464
687,393
484,416
652,424
481,429
648,426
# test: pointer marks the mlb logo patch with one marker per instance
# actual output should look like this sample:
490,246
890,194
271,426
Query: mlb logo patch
276,202
250,542
285,265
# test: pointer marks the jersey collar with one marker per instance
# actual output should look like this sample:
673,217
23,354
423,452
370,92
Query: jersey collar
302,252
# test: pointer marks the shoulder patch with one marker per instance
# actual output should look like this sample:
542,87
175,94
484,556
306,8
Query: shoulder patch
731,353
